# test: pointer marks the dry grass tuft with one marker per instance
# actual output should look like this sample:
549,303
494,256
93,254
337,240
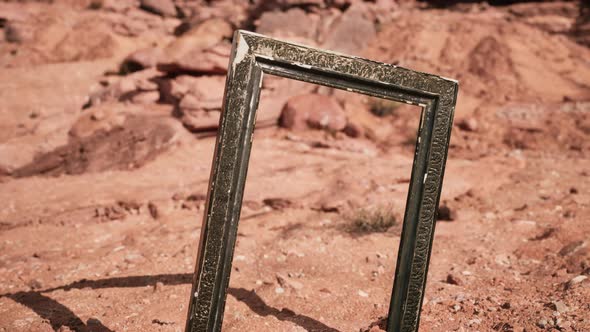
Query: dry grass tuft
375,220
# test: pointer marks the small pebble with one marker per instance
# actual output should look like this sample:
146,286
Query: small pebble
574,281
454,280
559,306
542,323
159,286
153,210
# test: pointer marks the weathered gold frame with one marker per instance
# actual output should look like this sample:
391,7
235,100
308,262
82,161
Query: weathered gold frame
253,55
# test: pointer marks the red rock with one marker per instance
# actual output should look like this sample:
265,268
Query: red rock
293,3
201,49
203,92
293,22
189,101
139,139
160,7
469,124
551,23
200,61
18,32
313,111
208,33
125,87
85,41
18,25
445,213
171,92
199,120
352,31
153,209
16,154
104,117
354,130
288,283
376,329
146,84
453,279
118,6
377,326
581,31
45,99
236,12
141,59
278,203
130,28
276,91
147,97
489,57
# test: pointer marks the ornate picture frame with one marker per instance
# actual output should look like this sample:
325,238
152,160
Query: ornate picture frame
254,54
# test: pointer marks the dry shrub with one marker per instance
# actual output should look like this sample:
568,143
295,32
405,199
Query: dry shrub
375,220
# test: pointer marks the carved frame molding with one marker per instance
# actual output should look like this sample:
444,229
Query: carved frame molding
252,55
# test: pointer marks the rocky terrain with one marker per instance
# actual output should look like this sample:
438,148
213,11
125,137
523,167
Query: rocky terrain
109,110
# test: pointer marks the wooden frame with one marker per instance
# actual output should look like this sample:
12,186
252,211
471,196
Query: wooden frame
254,54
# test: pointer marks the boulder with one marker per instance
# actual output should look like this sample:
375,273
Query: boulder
125,87
275,93
202,36
292,23
213,60
117,6
130,144
208,90
16,153
313,111
202,92
160,7
171,91
199,120
86,40
141,59
467,124
145,97
104,117
354,130
489,57
202,49
189,101
39,105
352,31
130,28
237,13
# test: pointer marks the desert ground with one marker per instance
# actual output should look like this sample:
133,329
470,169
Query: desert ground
108,116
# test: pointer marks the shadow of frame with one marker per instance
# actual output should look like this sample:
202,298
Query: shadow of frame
59,315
